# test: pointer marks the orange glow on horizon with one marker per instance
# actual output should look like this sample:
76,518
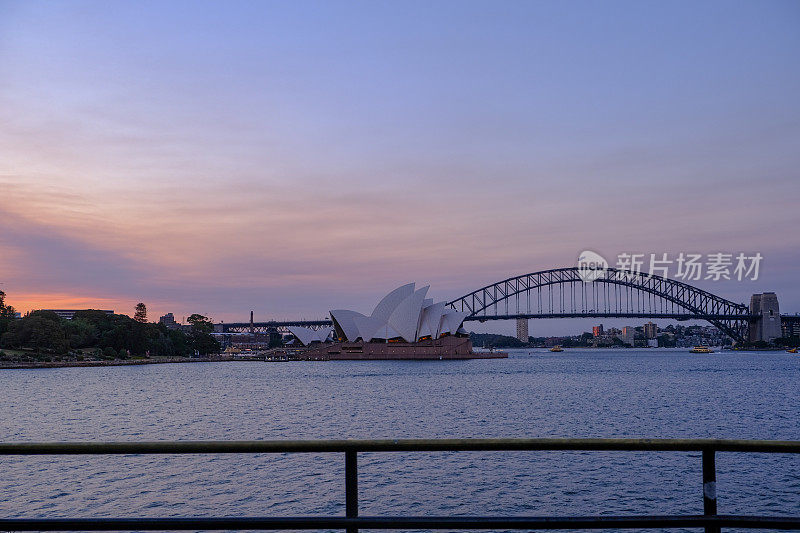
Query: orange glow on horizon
27,302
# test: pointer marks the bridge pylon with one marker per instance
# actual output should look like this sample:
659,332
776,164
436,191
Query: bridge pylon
766,324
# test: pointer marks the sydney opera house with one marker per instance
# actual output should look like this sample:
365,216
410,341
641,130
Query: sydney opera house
404,325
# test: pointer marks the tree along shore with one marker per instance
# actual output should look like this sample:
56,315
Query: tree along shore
95,337
66,363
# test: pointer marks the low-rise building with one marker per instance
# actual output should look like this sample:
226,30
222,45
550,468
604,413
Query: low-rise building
169,321
68,314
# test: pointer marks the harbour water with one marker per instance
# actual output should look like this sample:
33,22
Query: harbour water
534,393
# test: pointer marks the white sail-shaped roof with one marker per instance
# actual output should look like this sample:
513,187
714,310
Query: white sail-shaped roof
403,313
371,328
405,318
388,303
425,303
343,319
429,321
307,335
451,320
367,327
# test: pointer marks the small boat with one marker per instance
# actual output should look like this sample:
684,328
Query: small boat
701,349
556,349
792,350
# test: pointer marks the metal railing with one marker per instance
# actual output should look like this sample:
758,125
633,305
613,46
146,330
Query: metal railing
352,522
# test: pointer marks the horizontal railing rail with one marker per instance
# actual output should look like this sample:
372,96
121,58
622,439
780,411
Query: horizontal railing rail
352,522
397,445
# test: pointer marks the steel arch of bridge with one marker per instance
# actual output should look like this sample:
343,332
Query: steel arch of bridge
484,303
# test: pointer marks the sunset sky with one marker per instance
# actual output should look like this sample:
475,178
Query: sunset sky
294,157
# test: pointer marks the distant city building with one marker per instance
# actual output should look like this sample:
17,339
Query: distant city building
597,331
522,329
67,314
248,341
628,335
650,331
790,328
169,321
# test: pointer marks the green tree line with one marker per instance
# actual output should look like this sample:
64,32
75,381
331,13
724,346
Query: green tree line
6,314
117,336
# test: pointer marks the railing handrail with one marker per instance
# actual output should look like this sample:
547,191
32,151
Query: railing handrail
398,445
400,522
351,522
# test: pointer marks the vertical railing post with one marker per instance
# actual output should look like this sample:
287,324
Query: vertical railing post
351,486
709,487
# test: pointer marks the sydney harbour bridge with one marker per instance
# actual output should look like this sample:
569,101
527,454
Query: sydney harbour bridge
564,293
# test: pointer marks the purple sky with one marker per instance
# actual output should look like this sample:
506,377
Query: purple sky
300,156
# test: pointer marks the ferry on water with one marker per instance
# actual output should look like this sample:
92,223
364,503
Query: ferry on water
556,348
792,350
701,349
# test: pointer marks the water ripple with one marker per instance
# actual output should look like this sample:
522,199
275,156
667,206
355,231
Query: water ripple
629,393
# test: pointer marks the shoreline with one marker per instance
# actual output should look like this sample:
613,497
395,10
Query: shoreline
27,365
10,365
